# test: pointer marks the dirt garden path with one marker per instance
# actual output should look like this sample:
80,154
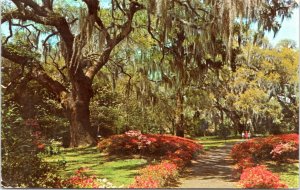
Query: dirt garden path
210,170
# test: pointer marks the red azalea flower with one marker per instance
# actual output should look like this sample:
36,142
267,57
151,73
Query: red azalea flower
41,146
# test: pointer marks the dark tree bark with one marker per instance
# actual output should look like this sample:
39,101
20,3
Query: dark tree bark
235,118
81,130
179,117
179,61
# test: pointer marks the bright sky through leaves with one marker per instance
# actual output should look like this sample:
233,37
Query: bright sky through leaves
289,29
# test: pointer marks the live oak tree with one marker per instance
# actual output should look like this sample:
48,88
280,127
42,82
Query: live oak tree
271,86
193,36
261,94
84,42
196,36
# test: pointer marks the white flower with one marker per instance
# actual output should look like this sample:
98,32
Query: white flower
104,180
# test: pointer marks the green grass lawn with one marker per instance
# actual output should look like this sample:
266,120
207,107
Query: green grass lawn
210,142
288,173
118,171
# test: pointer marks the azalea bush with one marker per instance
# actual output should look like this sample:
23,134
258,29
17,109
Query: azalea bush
260,178
244,150
174,152
284,150
249,154
164,147
133,142
81,179
244,163
277,148
155,176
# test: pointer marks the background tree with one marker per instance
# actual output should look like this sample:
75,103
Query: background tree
261,95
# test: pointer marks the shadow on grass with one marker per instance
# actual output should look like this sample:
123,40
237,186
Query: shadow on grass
216,138
214,142
151,159
131,167
284,167
86,149
118,157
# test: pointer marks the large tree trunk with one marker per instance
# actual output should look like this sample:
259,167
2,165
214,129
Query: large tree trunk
179,118
81,132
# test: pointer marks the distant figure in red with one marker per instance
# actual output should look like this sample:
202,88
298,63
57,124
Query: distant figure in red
246,135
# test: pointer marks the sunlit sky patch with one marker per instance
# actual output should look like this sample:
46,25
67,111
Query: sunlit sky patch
289,29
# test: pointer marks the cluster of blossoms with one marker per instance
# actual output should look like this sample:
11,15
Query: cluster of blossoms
155,176
283,148
174,153
260,178
268,148
251,153
141,140
133,133
36,133
243,164
81,180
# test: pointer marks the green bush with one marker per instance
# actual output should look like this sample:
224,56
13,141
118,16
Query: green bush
224,132
21,164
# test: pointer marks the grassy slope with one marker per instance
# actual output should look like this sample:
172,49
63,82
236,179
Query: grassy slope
118,171
288,173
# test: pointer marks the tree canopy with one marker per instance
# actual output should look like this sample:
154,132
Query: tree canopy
156,65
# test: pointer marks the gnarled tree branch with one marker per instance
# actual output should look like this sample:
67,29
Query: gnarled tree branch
38,73
125,30
38,15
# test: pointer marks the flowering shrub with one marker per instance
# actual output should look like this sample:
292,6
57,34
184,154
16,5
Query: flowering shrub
243,150
81,180
120,145
133,142
35,129
245,163
283,150
155,176
249,153
260,178
176,152
179,157
278,147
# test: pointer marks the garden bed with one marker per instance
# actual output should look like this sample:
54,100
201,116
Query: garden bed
259,156
171,153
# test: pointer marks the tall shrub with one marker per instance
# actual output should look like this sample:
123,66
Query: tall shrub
21,165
